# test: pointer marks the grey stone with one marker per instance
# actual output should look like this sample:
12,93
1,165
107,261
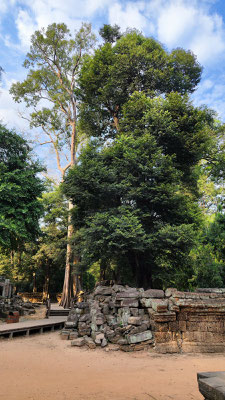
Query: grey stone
85,317
153,293
147,303
103,290
78,342
129,302
73,335
70,324
117,288
65,335
98,338
90,342
134,320
104,342
129,293
139,337
123,316
134,312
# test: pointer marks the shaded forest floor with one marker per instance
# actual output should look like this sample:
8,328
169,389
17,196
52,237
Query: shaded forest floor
45,367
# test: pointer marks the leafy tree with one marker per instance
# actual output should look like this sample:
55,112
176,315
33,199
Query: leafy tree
20,188
110,33
53,65
136,197
133,63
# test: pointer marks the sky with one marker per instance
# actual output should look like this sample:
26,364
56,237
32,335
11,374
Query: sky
196,25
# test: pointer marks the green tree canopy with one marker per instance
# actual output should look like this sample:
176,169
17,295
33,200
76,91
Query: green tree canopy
136,199
20,188
133,63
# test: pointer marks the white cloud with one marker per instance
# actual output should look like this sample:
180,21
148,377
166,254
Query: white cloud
211,92
26,27
192,26
131,15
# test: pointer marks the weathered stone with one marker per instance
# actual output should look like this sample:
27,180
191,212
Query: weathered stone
111,320
65,335
105,309
104,342
73,335
162,317
70,325
123,316
90,342
160,305
110,334
170,291
134,320
73,317
138,329
122,341
100,319
115,339
146,303
134,312
117,288
84,318
139,337
162,337
153,293
129,302
129,293
103,290
99,337
78,342
84,332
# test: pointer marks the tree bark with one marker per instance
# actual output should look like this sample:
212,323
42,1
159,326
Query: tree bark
67,286
34,283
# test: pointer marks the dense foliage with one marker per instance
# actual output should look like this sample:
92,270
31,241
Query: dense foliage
136,197
20,188
145,194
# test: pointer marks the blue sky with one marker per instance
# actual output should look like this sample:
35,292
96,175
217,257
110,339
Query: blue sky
198,25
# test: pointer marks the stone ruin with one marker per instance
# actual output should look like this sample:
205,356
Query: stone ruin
130,319
6,288
10,303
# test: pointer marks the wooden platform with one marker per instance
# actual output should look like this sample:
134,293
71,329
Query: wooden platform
39,326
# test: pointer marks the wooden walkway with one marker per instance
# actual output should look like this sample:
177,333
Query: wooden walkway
39,325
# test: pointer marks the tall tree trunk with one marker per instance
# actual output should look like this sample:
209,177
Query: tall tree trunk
46,284
12,258
67,286
34,283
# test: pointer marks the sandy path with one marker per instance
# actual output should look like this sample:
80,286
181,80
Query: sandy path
43,367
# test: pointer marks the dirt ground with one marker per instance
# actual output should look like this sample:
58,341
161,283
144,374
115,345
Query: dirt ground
44,367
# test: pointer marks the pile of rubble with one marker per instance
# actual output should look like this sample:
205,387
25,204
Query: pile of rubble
118,315
15,303
136,319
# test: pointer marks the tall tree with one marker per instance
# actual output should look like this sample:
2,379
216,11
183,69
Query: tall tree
20,188
51,90
136,198
132,63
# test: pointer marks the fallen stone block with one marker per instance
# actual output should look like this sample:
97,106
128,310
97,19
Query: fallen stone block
73,335
139,337
153,293
65,335
79,342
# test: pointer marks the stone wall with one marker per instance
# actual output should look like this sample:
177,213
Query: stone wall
134,319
